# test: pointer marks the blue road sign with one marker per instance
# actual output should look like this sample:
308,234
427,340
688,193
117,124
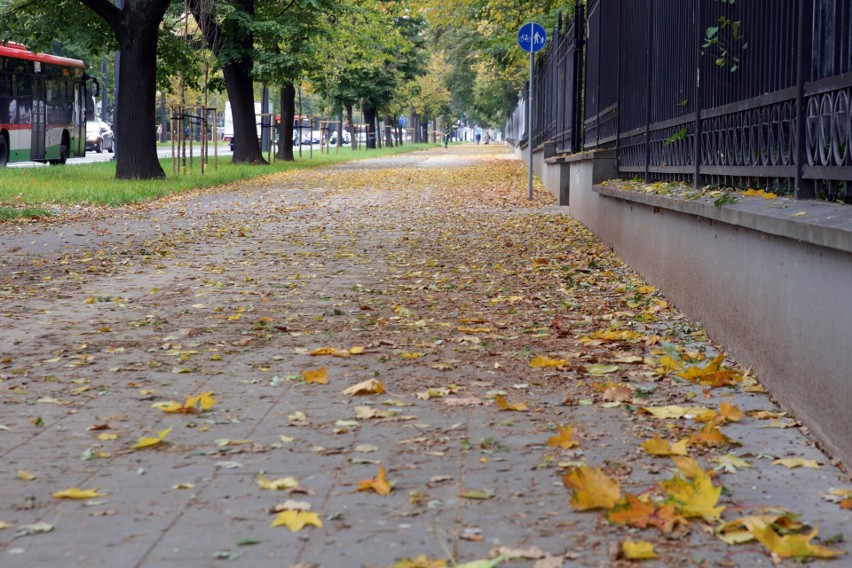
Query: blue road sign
531,37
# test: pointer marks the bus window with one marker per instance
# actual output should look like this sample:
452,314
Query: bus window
90,108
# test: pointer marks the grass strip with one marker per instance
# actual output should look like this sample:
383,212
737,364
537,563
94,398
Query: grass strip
95,184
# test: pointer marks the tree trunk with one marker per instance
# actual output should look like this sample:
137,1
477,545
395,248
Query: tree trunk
353,139
388,131
135,27
288,116
370,123
236,44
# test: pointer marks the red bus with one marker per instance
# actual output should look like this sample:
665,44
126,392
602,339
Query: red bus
42,106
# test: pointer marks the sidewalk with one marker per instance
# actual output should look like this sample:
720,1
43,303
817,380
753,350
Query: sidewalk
489,321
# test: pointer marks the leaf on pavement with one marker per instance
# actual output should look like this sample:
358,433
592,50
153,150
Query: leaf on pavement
541,362
148,442
695,498
482,563
710,436
192,405
24,475
565,438
660,447
296,520
317,376
333,351
379,484
371,386
503,404
599,369
592,489
712,375
793,545
634,512
674,411
792,463
74,493
421,561
638,550
277,484
687,466
729,463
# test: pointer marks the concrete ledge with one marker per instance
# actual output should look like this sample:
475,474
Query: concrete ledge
815,222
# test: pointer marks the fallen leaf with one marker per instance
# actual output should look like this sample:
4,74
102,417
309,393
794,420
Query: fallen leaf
599,370
592,489
371,386
419,562
193,404
478,494
482,563
107,436
695,498
712,375
74,493
792,545
673,411
296,520
638,550
730,463
148,442
565,438
541,362
687,466
503,404
24,475
277,484
379,484
318,376
760,193
792,463
659,447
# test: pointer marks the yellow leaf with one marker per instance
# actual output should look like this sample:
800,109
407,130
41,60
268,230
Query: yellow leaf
709,436
542,362
687,465
645,290
696,498
371,386
168,406
407,355
638,550
712,374
322,351
612,335
277,484
474,329
203,401
796,462
792,545
296,520
24,475
730,413
379,484
673,411
106,436
565,438
357,350
503,404
318,376
3,525
760,193
592,489
75,493
148,442
660,447
420,562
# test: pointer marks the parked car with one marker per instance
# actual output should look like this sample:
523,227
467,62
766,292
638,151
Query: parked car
99,136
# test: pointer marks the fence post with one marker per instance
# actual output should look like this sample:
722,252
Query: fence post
696,146
577,102
650,81
803,189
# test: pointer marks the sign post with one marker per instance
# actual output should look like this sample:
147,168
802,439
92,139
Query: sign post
531,38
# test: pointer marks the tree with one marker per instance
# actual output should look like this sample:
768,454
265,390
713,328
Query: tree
134,25
228,28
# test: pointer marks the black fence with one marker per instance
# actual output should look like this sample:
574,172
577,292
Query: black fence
745,93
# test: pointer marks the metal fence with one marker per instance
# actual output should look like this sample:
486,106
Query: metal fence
746,93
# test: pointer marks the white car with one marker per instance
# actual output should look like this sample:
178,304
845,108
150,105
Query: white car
99,136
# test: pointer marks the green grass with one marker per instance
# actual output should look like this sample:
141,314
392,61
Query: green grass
23,189
7,213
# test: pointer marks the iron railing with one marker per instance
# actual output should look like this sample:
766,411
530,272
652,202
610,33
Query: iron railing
713,92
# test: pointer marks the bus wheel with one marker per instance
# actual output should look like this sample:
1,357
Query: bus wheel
63,152
4,151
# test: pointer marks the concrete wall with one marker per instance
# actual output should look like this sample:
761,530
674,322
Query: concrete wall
777,304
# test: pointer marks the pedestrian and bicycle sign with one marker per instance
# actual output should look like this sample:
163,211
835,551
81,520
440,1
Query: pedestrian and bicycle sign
531,37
